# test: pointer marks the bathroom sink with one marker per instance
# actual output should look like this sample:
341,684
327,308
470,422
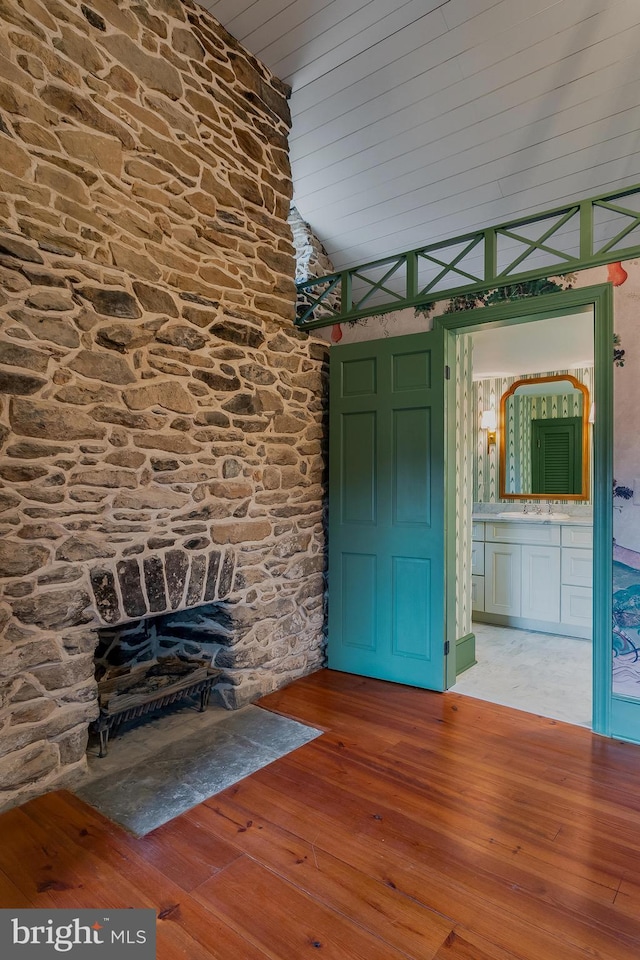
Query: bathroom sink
513,515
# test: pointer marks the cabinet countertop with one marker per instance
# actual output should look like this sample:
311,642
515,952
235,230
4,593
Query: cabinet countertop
532,518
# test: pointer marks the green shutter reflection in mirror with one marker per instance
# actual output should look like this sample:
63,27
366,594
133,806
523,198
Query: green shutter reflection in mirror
556,456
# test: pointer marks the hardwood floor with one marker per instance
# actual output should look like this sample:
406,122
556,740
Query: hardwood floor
424,826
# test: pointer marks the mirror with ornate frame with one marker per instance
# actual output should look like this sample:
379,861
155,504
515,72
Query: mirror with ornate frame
544,439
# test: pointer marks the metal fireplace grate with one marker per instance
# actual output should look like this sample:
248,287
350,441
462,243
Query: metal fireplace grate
147,689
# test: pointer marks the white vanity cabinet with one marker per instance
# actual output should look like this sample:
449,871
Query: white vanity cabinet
477,565
577,574
535,575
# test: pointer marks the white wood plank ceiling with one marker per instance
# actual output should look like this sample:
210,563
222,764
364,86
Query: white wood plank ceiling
418,120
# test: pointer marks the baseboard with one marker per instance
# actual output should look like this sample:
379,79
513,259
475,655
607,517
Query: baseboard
465,653
539,626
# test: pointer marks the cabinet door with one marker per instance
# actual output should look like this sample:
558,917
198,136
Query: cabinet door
577,536
477,593
577,566
577,605
477,557
541,582
502,564
477,530
524,531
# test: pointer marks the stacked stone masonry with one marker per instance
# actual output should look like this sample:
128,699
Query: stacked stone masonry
162,422
312,260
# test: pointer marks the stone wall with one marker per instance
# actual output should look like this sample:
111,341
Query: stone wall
312,260
162,422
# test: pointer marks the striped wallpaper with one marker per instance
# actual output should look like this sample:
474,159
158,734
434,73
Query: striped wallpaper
465,434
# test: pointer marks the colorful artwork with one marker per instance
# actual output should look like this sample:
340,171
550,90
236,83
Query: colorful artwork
626,625
506,294
626,512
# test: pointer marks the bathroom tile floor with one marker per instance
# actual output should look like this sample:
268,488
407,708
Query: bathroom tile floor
538,672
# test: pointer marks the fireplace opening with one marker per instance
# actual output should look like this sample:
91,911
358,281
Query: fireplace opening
147,666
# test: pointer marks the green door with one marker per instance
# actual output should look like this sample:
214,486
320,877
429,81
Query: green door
386,510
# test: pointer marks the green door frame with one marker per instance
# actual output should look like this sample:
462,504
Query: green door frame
600,297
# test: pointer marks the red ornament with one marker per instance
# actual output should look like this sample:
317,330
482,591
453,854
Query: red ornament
616,274
336,333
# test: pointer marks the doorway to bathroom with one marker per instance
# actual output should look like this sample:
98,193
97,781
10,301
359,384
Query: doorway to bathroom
531,397
528,633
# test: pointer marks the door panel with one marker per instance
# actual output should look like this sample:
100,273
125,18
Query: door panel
411,614
411,475
386,510
358,587
359,467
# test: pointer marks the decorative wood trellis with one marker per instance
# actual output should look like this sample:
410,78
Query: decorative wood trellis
584,234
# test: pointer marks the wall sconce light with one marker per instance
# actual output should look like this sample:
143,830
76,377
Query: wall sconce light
592,413
489,423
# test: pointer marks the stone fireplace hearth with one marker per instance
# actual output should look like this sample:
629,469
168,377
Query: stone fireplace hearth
167,764
162,422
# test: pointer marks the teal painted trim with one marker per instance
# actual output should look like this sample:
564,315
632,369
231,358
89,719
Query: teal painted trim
345,290
490,253
450,508
412,276
486,241
513,312
600,296
465,653
586,231
625,719
603,512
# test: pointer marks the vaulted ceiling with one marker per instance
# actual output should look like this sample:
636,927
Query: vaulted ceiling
418,120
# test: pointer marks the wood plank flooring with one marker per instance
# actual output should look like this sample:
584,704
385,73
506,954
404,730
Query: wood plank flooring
423,826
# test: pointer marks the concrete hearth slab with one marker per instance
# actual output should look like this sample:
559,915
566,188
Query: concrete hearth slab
169,764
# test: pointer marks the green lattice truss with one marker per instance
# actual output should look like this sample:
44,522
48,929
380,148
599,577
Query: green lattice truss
585,234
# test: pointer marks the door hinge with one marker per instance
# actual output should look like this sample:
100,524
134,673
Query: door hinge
446,648
447,372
